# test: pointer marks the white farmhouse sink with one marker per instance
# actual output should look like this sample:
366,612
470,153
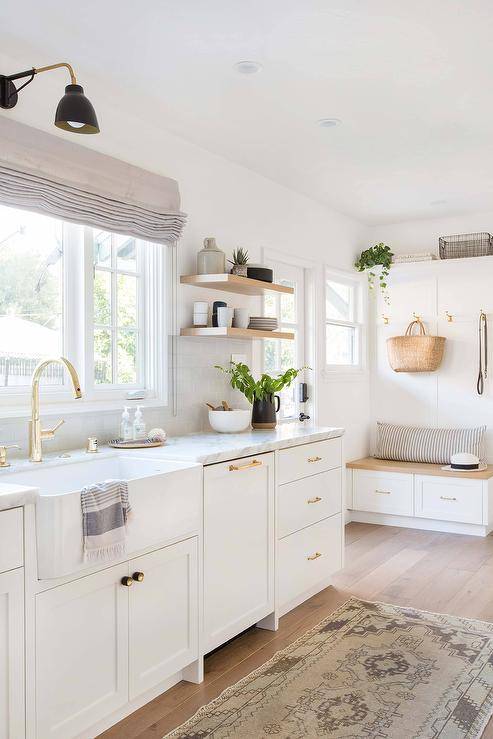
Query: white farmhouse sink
164,495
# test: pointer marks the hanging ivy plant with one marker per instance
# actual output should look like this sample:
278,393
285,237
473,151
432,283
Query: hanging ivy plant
379,255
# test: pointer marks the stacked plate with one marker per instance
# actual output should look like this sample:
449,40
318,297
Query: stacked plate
263,323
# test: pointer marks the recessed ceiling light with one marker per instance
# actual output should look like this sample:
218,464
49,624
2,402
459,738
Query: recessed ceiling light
328,122
248,67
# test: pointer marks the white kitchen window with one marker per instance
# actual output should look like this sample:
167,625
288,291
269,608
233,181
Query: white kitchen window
95,297
281,354
344,323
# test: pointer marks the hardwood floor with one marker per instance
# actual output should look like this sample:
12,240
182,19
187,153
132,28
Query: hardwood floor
432,571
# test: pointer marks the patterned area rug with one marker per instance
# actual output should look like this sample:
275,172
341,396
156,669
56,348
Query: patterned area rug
369,670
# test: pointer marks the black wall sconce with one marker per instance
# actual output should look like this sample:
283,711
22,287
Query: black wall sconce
74,112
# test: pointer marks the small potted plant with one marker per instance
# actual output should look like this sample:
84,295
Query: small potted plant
239,262
377,258
261,393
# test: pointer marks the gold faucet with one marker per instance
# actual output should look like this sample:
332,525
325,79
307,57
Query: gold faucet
36,433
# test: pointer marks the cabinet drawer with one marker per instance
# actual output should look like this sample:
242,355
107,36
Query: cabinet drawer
11,539
309,557
308,459
383,492
449,499
304,502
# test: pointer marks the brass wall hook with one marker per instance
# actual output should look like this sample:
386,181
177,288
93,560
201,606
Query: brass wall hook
416,316
385,319
449,317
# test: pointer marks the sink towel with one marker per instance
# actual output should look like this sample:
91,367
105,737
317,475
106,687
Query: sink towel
105,510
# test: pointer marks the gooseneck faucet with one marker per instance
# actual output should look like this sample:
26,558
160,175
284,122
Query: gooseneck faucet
36,433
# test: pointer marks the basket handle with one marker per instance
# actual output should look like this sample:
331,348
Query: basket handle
418,322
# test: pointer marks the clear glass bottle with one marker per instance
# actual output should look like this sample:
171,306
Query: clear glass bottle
211,260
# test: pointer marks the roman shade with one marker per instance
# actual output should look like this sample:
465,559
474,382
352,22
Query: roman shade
46,174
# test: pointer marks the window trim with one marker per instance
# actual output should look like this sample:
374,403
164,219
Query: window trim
311,270
78,320
359,324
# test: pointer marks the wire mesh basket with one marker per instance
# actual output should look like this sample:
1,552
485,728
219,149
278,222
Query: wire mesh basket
465,245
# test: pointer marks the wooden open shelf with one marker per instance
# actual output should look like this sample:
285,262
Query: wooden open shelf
235,284
236,333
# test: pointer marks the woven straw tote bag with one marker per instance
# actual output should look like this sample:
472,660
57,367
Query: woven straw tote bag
415,352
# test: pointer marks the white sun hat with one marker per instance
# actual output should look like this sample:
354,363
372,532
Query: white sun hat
465,462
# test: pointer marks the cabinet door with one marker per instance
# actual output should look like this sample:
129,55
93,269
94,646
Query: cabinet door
81,653
12,655
163,615
238,546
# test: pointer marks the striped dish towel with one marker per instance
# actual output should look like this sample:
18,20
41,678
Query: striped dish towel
105,510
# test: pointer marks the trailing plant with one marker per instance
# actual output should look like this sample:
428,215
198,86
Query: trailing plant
379,255
240,256
242,379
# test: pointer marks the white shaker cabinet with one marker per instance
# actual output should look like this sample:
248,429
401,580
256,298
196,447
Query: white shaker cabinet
81,653
12,654
106,638
238,546
163,615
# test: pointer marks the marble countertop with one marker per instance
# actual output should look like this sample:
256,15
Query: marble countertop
211,447
12,496
203,448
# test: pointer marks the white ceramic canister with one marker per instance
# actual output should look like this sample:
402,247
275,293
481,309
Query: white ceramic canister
241,318
225,317
211,260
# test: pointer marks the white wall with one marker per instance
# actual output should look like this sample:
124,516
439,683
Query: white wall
447,397
239,208
422,235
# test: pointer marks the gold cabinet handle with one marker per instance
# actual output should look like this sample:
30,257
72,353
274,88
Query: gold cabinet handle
314,459
138,576
314,500
445,497
240,467
314,556
127,581
383,492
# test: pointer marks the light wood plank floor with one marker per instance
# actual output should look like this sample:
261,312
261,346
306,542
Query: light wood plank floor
445,573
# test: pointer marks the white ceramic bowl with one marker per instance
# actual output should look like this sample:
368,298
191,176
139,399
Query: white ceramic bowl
230,422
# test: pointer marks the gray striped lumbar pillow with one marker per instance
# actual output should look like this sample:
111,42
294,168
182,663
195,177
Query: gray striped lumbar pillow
424,444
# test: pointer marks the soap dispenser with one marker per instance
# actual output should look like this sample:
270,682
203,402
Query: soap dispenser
125,427
139,425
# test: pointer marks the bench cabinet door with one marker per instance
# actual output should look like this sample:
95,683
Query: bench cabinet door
449,499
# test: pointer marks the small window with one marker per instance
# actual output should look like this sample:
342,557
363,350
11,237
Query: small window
281,354
117,293
343,323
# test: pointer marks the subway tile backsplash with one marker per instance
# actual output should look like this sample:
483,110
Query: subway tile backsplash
197,382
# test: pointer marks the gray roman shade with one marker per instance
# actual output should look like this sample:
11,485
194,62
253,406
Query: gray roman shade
52,176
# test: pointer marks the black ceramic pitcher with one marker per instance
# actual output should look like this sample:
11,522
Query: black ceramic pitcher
264,412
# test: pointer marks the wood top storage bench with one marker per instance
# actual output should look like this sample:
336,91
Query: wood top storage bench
421,496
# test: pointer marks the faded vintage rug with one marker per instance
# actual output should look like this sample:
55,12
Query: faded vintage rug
370,671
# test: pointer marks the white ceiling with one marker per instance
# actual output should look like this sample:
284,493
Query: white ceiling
411,82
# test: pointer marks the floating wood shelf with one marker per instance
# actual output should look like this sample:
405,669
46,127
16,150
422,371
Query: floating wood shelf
235,284
236,333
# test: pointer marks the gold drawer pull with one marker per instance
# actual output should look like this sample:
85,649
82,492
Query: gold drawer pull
314,556
383,492
127,581
445,497
239,467
314,500
314,459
